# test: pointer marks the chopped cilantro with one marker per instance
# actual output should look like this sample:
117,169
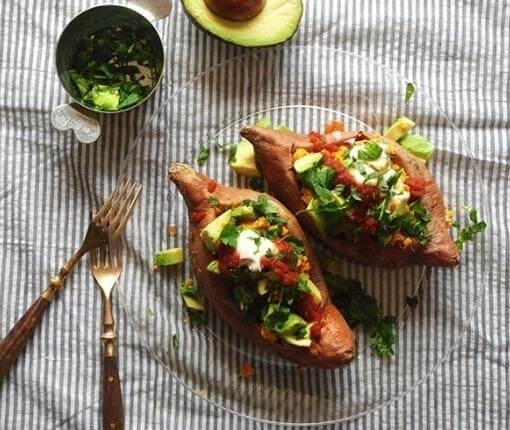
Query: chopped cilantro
175,341
360,308
107,69
467,233
320,177
262,205
242,296
295,244
230,234
409,91
275,320
213,201
266,208
302,285
203,154
383,336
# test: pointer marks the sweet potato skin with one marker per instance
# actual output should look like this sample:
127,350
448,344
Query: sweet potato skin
274,149
337,344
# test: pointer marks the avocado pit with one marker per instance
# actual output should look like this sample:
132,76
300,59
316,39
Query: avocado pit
236,10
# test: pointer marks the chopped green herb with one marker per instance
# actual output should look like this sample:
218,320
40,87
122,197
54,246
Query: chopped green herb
175,341
114,68
358,307
320,177
193,301
203,154
383,336
230,234
213,201
409,91
412,302
467,233
242,296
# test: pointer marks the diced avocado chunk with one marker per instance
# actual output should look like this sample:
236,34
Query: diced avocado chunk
313,290
283,127
191,298
244,213
193,303
105,97
307,162
169,257
296,331
243,156
398,130
305,341
418,146
262,286
211,232
214,267
311,210
244,160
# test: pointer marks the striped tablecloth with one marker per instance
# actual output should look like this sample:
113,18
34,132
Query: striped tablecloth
459,50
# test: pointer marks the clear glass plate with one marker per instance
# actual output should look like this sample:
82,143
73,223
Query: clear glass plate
209,111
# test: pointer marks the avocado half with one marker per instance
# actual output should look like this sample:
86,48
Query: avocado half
276,23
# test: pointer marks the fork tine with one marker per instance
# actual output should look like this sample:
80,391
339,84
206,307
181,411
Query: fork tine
116,230
119,196
126,201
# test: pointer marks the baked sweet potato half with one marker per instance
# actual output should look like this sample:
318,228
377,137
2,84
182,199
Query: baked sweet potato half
257,270
360,194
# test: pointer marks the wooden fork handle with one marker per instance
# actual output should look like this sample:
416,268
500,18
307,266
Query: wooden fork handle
113,414
17,338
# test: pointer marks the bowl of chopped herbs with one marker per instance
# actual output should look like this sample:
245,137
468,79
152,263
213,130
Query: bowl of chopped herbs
110,58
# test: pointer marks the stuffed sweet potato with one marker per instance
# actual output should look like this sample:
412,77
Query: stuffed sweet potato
257,271
360,194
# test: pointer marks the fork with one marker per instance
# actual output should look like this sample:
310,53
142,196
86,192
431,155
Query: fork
106,267
108,224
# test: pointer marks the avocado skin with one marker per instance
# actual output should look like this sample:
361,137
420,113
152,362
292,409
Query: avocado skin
216,36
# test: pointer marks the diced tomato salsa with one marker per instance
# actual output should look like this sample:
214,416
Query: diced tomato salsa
281,269
228,258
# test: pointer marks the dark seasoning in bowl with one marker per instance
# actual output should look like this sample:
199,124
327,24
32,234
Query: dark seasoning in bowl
114,68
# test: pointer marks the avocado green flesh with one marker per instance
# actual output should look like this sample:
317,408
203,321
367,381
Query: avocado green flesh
169,257
211,233
276,23
399,129
307,162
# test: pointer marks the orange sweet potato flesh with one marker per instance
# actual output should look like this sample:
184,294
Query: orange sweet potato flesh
273,151
336,345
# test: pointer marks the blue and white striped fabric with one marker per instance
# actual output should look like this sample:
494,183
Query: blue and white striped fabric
458,52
